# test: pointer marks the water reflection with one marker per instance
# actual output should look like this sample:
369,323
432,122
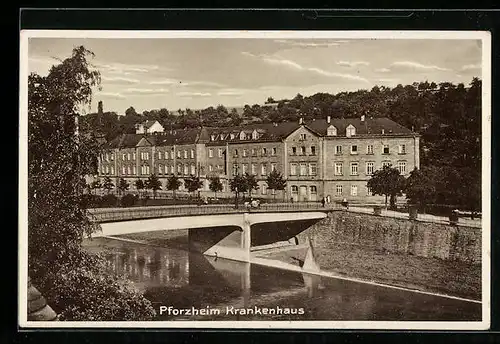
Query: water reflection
180,279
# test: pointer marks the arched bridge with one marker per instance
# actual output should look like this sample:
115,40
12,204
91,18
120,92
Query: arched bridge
220,231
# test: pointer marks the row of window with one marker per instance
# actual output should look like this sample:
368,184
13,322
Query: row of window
369,167
263,152
220,152
303,169
369,149
253,169
303,150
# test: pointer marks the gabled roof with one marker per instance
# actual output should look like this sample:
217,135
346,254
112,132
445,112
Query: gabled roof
149,124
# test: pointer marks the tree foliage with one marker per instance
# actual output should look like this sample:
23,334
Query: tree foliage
108,184
173,184
193,183
154,184
215,185
387,182
59,157
275,181
123,185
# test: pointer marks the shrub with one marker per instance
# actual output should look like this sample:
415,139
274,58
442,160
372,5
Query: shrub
87,292
129,200
109,200
90,201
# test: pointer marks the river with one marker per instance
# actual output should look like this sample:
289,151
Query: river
176,280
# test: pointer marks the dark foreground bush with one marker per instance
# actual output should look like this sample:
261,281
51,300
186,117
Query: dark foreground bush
109,200
87,292
90,201
129,200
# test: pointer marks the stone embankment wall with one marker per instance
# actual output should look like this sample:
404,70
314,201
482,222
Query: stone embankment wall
396,235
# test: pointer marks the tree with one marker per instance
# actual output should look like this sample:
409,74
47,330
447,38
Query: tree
193,183
130,112
154,184
238,184
173,184
100,108
388,182
215,185
421,188
275,181
59,157
123,185
139,185
107,184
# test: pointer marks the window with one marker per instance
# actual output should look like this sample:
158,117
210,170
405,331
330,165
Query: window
124,156
312,169
339,169
210,153
160,169
273,166
185,154
235,169
368,191
350,131
303,169
354,149
159,155
302,137
192,153
254,152
236,153
402,167
172,169
134,170
354,168
313,190
294,150
295,189
210,168
264,189
313,150
386,149
338,190
264,151
369,149
244,152
112,157
302,150
402,149
128,170
133,156
293,169
179,154
338,150
112,170
369,168
219,168
193,169
263,171
107,169
165,155
244,168
386,164
273,151
186,169
331,131
255,135
128,156
124,170
179,169
354,190
220,152
172,154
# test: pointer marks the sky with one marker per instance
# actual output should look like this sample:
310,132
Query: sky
196,73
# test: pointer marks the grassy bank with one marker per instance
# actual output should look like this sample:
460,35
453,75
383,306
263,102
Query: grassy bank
427,274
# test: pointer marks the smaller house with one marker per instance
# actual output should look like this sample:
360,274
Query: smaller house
149,127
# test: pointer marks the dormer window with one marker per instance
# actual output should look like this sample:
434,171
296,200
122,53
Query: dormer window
350,130
332,131
231,136
255,135
212,137
243,136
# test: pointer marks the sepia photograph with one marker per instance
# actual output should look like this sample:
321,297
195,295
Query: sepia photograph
254,179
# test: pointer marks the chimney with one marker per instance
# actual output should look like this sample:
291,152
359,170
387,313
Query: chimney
328,119
362,118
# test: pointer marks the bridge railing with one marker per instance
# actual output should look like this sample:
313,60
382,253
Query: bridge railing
123,214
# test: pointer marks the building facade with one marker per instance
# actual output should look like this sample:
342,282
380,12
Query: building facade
320,158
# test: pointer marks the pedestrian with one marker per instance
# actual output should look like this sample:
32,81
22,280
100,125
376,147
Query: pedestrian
323,201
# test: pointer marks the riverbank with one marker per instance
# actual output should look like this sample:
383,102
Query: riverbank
421,273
